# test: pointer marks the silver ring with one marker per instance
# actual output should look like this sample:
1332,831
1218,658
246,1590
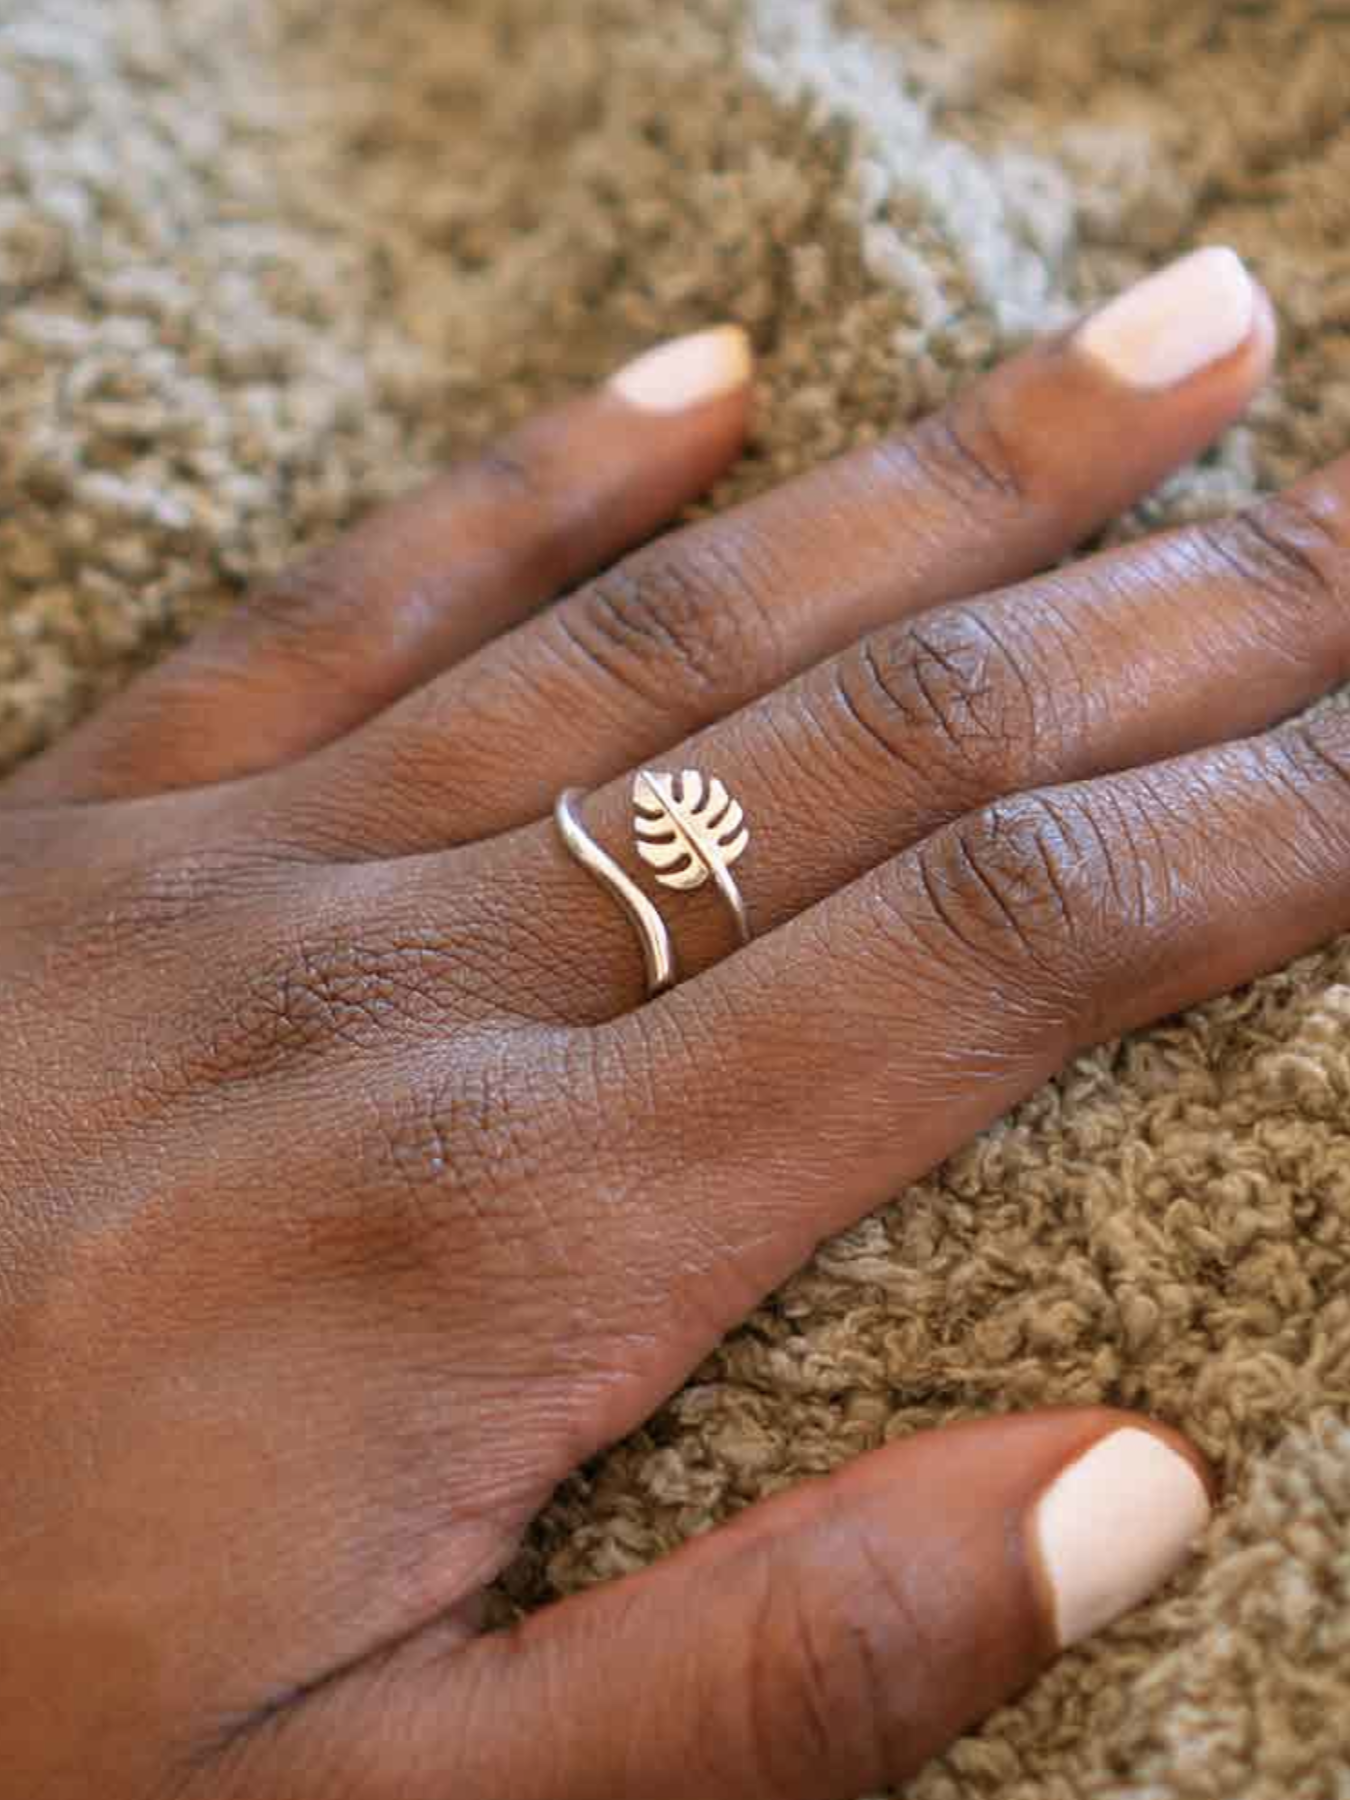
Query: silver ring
690,831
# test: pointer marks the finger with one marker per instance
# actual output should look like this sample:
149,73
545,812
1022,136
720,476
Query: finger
825,1644
1204,634
420,584
855,1048
1005,480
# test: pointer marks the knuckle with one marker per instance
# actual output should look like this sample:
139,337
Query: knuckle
288,1009
464,1165
967,453
948,694
1291,550
446,1159
1039,885
317,621
841,1666
310,998
331,585
446,1152
137,901
688,630
513,472
174,897
795,1688
290,602
1316,753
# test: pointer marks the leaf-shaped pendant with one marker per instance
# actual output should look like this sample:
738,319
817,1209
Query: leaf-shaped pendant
690,831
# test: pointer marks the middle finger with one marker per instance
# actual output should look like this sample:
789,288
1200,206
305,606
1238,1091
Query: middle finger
1005,480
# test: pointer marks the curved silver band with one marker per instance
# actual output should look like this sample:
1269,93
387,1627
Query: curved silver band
658,952
727,888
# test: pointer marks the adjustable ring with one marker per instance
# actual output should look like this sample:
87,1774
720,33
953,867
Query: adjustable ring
689,831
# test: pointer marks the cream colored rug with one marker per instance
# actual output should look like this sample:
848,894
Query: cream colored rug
263,261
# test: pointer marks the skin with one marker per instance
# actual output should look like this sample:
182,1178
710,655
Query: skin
350,1194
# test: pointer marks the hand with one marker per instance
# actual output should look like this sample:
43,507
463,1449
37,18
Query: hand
352,1192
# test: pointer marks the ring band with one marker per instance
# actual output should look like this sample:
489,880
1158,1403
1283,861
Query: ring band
658,953
690,831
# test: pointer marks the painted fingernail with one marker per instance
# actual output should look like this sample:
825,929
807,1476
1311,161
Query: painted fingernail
1114,1526
1173,324
688,371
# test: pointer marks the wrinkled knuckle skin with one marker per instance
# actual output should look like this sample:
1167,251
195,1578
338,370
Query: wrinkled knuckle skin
686,632
1040,888
292,602
440,1176
130,909
317,617
511,472
429,1157
466,1168
968,455
1317,754
1293,552
840,1667
311,999
949,701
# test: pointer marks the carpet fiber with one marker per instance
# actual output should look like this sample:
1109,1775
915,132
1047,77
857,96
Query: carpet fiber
262,262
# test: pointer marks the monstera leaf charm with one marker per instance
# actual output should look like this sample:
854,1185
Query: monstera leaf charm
690,831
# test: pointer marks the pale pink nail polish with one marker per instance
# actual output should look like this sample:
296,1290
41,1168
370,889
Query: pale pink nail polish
1175,323
1113,1526
689,371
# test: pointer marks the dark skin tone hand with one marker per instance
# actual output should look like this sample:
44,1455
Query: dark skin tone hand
352,1192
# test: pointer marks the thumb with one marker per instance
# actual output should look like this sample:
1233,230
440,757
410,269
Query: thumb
824,1645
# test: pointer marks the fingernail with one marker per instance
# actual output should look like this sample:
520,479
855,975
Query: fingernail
1114,1526
1173,324
688,371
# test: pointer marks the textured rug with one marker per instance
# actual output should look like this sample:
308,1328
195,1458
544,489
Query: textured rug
264,261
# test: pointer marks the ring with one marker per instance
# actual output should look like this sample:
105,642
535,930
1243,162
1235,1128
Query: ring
690,831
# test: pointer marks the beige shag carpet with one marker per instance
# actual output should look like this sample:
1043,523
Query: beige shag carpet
264,261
